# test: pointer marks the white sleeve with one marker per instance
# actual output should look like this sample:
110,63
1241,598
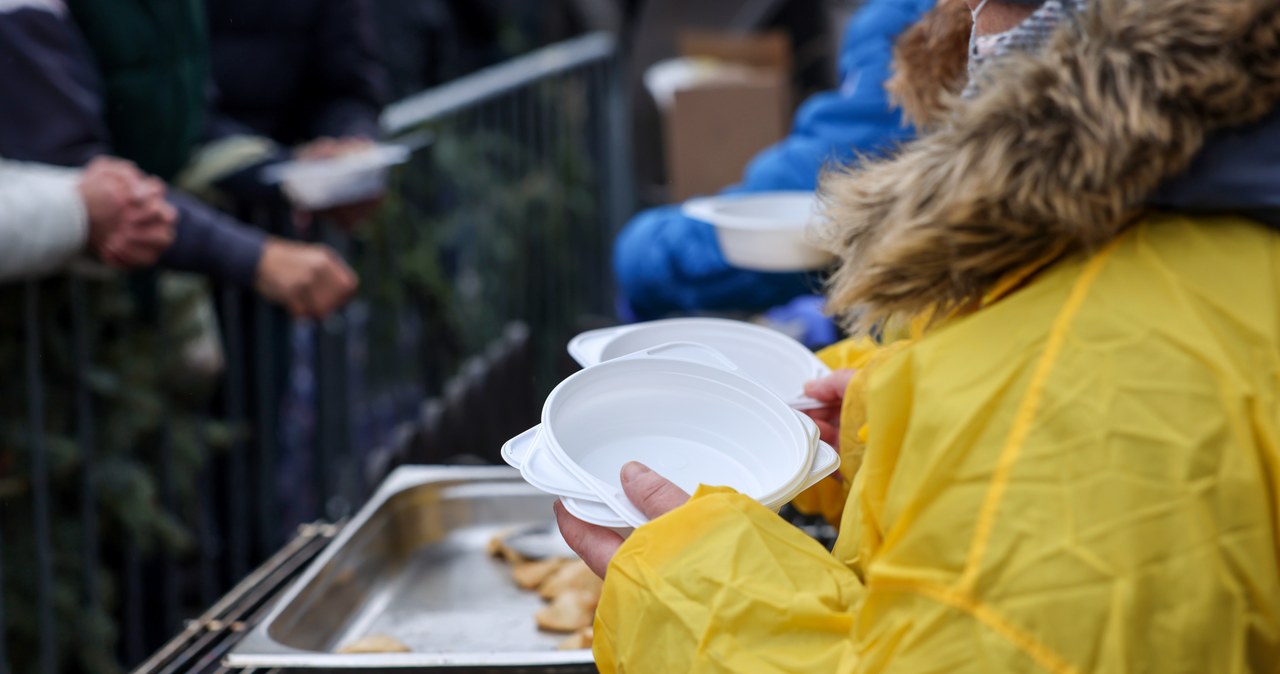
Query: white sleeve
43,222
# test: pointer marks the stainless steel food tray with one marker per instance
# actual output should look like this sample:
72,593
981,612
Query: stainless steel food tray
412,565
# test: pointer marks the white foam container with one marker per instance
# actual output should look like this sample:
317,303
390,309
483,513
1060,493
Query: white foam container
315,184
764,231
541,467
776,361
684,411
589,509
593,512
527,453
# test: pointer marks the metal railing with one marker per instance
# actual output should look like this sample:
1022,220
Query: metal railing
133,492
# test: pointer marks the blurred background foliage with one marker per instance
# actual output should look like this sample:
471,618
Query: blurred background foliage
484,226
140,387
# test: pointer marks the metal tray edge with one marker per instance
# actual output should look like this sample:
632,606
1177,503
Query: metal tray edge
248,652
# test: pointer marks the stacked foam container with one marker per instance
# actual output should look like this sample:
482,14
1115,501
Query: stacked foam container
700,401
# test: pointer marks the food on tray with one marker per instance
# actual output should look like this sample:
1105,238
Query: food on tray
498,547
568,612
571,589
575,575
583,638
376,643
530,575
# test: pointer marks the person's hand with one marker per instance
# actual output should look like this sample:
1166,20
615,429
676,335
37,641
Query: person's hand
130,223
348,216
829,390
651,494
311,281
147,230
106,189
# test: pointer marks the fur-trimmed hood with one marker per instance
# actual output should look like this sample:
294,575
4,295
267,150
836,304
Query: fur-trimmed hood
1059,153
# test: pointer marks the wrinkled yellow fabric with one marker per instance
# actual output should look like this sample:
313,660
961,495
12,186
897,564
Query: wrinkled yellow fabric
1081,477
827,498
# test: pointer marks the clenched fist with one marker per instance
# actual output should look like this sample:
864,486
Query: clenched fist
311,281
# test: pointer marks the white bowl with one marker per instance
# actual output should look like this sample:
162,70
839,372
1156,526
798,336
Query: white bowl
682,409
693,422
593,512
776,361
541,466
541,469
764,231
315,184
527,452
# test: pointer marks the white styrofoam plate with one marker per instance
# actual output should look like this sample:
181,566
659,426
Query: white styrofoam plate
776,361
825,462
684,410
316,184
693,422
593,512
540,468
589,509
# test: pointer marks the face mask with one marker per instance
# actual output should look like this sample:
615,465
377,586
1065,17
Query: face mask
982,47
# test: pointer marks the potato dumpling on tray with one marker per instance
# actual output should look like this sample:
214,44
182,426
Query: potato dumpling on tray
571,589
375,643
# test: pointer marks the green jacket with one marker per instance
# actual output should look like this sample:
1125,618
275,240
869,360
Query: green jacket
153,56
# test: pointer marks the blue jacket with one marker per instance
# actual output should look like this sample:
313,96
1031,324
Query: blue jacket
666,263
833,127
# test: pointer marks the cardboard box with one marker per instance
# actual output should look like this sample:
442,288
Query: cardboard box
767,51
713,129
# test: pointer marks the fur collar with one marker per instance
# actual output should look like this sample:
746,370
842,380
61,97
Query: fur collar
1057,155
929,62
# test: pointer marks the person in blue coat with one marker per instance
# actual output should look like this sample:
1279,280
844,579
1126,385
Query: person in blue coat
666,263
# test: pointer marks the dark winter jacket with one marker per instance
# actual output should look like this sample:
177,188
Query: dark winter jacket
295,70
153,60
1238,171
54,109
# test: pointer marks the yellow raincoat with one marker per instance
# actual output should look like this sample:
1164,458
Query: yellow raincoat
1081,476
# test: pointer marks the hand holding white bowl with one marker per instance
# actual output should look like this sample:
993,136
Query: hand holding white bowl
829,390
653,494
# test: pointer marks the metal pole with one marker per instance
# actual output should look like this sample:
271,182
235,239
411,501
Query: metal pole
326,409
329,403
508,111
570,238
169,616
86,432
602,271
47,646
238,522
134,596
266,330
4,650
527,168
334,329
618,118
466,92
206,538
552,230
271,342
